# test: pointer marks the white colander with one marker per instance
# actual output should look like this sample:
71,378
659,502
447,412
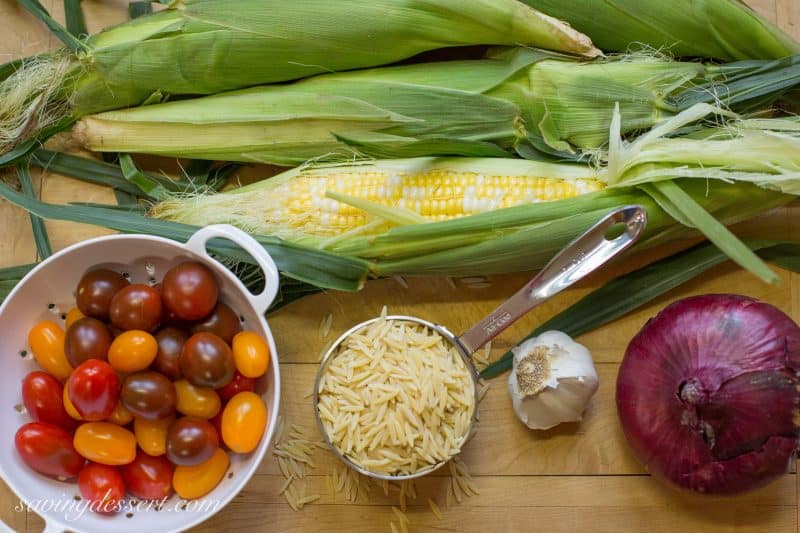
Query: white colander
46,293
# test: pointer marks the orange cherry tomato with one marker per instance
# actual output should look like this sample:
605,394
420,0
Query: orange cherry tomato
192,482
71,411
152,434
46,340
132,351
243,421
120,415
105,443
251,354
73,315
202,402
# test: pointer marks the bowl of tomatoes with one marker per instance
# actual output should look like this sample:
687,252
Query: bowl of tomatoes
140,381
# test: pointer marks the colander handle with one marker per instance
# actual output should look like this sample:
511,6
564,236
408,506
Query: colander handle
260,302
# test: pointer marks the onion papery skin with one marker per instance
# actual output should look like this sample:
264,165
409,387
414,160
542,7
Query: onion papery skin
707,393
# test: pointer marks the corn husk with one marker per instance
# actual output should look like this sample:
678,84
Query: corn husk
516,102
722,29
201,47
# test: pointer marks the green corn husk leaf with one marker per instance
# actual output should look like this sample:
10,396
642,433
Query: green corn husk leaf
532,103
11,276
198,47
721,29
322,269
631,291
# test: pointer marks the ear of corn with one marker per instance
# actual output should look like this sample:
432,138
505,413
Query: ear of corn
721,29
198,47
518,100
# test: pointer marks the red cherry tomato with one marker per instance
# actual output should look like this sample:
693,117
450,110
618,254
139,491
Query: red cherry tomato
148,477
48,449
42,395
103,487
189,290
93,389
238,384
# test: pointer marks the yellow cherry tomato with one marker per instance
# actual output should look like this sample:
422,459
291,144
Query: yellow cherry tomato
68,407
202,402
105,443
132,351
120,415
243,421
46,340
192,482
251,354
152,434
73,315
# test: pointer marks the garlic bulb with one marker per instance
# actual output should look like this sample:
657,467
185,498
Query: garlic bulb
552,381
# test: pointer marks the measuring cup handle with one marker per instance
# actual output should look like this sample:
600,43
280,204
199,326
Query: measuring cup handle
260,302
582,256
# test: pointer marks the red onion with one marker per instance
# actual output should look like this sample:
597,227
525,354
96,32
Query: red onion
707,393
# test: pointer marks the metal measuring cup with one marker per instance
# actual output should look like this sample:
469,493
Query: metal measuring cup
581,257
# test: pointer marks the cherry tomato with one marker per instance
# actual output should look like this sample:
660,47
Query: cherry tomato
46,340
48,449
192,482
103,487
95,291
73,315
191,441
132,351
238,384
149,395
136,306
120,415
216,421
202,402
189,290
243,422
152,434
222,322
148,477
251,354
105,443
43,397
68,407
93,390
88,338
170,343
206,361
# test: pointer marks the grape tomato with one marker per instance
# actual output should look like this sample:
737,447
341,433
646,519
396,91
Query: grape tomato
207,361
136,306
251,354
46,340
222,321
103,487
43,397
73,315
68,407
95,291
120,416
191,482
132,351
148,477
149,395
202,402
151,435
48,449
170,342
243,422
238,384
189,290
105,443
93,389
88,338
191,441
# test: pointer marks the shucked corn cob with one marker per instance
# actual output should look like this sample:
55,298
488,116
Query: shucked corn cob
208,46
522,101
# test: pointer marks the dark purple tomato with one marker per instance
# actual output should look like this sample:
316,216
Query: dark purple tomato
48,449
95,291
149,395
206,361
93,389
170,343
87,338
222,322
43,396
191,441
189,290
136,307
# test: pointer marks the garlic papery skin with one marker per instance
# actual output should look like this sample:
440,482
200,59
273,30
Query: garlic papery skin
552,381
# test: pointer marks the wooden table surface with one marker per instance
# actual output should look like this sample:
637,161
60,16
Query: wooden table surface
578,477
